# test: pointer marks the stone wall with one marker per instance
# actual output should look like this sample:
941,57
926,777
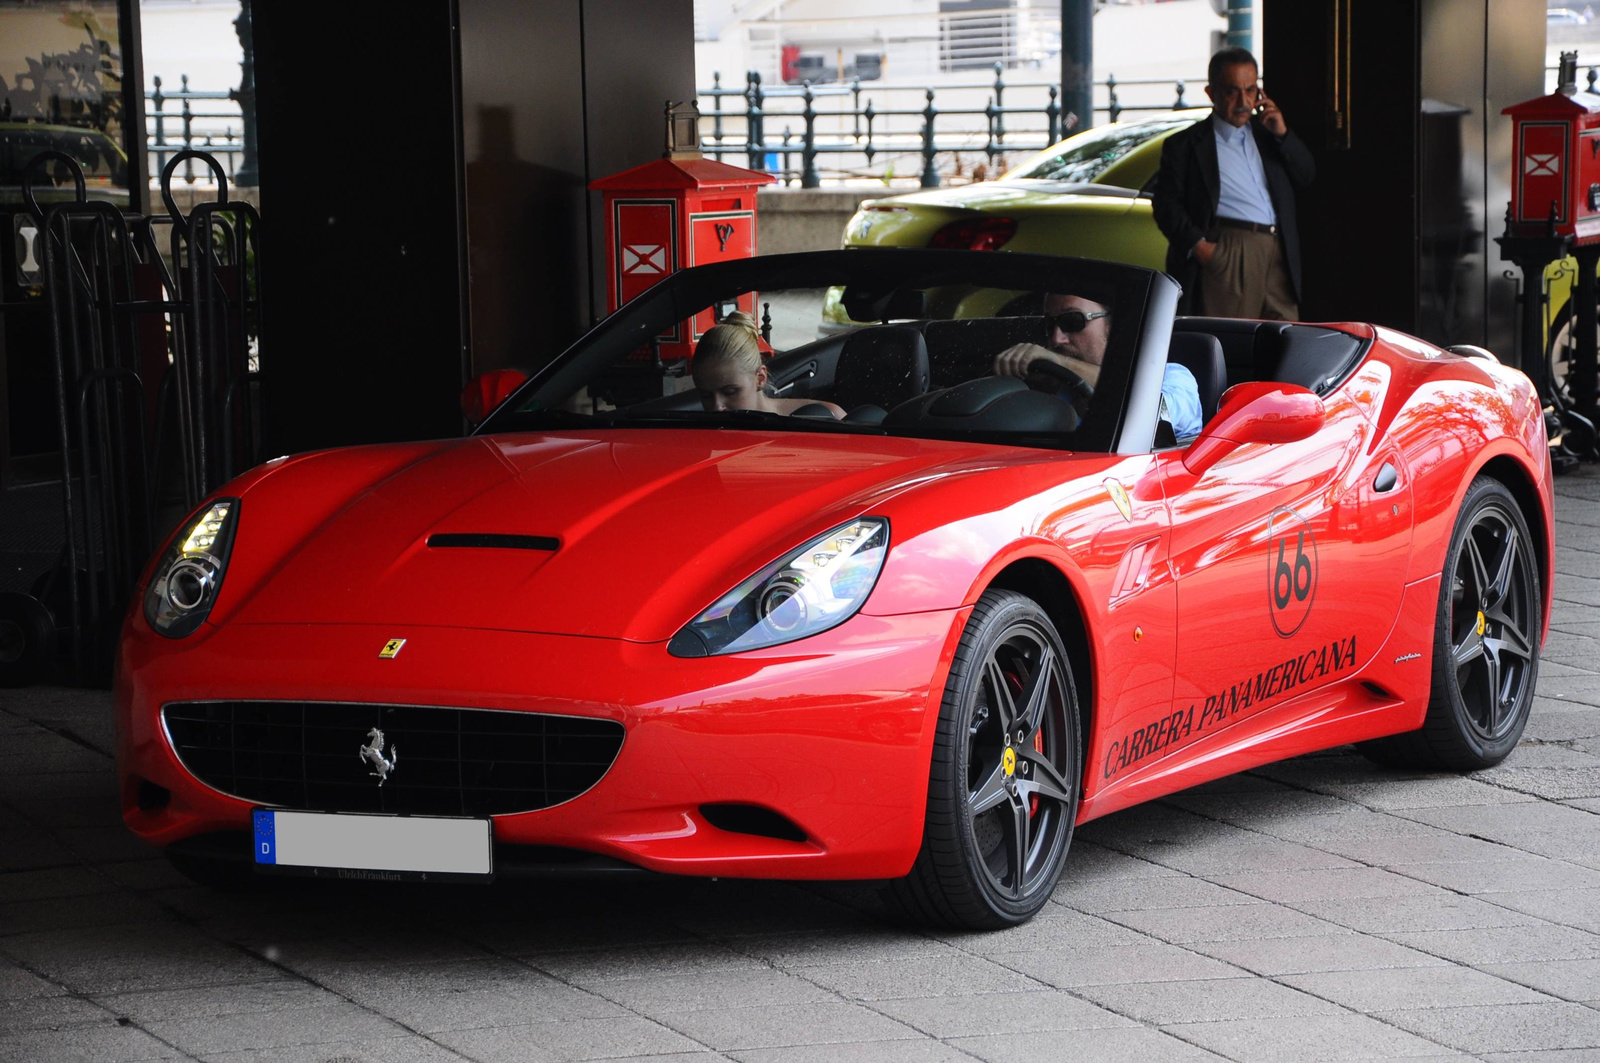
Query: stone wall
807,219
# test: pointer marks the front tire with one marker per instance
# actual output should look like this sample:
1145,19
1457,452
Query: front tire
1003,786
1486,642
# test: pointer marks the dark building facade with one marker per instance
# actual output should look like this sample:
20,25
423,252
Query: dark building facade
472,244
1400,101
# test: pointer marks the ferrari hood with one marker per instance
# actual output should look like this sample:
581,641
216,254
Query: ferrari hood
621,534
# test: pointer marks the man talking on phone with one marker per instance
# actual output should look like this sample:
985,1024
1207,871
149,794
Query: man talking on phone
1225,199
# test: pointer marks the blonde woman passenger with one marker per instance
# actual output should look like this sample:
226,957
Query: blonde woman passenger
729,375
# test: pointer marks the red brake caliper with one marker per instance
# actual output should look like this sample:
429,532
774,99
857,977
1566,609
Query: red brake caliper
1038,747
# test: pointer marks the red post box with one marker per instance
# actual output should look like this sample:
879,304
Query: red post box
1555,188
682,210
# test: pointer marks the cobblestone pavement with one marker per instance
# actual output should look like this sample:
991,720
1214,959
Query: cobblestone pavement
1321,908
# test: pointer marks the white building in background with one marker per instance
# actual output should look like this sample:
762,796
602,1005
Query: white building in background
940,42
900,40
193,37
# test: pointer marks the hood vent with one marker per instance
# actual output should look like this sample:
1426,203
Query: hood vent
442,540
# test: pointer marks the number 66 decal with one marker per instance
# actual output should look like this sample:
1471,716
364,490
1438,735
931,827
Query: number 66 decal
1291,570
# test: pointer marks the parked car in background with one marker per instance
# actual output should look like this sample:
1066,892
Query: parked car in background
104,163
1086,196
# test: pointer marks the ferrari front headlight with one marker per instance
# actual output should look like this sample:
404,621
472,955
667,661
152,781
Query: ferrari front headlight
185,583
819,586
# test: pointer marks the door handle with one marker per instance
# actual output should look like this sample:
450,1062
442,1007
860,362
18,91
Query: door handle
1385,479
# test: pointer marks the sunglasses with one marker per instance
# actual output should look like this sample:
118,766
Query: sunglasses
1072,320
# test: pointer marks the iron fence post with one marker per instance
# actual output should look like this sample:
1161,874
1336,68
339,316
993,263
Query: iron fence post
991,144
1594,75
930,174
247,174
855,104
188,131
869,114
1180,103
755,136
1052,115
808,143
788,168
1114,108
999,102
158,98
716,114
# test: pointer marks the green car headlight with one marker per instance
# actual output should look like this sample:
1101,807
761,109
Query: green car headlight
819,586
185,583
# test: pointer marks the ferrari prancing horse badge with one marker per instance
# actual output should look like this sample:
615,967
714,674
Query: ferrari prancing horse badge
391,649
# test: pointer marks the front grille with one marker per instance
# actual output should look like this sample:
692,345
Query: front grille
455,762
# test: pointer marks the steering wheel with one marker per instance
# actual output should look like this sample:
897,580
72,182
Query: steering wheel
1068,385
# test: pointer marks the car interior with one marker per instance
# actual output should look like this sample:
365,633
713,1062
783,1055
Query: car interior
937,374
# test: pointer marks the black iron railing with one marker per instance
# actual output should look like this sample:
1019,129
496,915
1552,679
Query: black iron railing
843,122
169,132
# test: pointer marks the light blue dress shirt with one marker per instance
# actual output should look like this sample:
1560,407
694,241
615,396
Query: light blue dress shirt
1242,190
1180,401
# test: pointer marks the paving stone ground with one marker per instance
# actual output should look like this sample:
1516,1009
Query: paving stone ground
1317,909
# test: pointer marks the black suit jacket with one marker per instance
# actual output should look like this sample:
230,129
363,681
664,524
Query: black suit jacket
1187,186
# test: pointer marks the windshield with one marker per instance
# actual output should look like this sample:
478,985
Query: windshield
1085,157
1020,349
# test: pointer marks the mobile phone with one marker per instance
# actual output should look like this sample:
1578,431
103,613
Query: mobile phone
1261,94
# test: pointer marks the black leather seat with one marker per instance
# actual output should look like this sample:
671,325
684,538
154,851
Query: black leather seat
1201,354
881,366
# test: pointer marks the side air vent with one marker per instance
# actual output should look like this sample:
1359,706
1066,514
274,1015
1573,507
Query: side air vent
448,540
752,819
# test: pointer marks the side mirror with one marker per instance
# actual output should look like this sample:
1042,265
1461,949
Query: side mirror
1257,412
488,390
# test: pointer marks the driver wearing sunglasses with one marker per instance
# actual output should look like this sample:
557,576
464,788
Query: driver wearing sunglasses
1076,332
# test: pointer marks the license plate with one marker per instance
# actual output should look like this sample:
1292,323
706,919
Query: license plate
358,846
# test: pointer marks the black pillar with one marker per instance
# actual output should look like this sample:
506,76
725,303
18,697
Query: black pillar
1581,370
247,175
1077,64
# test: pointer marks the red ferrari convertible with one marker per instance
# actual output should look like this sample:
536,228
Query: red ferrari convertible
630,622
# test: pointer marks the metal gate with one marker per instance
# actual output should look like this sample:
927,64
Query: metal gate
154,328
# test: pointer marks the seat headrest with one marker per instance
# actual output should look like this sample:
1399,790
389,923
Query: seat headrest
1201,354
881,366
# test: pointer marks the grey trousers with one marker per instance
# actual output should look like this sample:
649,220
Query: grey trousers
1246,277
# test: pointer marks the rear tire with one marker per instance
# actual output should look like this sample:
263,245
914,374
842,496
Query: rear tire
1003,786
1485,642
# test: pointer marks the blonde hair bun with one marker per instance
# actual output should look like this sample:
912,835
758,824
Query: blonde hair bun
736,339
740,319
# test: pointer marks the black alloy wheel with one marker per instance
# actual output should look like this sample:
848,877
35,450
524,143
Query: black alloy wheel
1003,786
1486,641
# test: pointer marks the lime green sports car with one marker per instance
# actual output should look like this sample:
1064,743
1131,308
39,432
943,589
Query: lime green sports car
1086,196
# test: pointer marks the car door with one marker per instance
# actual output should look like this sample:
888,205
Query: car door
1116,525
1284,559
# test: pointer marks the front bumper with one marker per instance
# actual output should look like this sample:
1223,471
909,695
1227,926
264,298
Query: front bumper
834,732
